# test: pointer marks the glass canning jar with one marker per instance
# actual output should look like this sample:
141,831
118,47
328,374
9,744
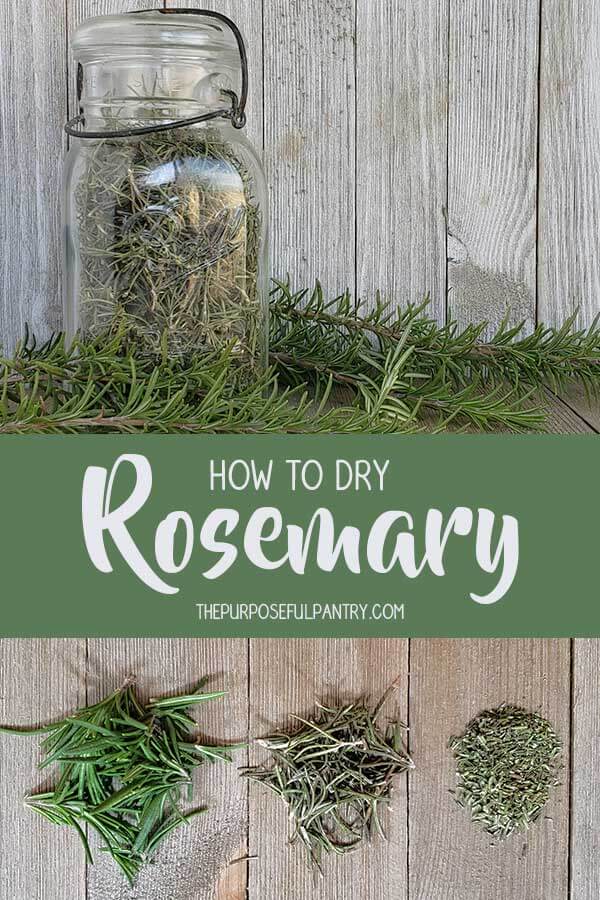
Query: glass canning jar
165,199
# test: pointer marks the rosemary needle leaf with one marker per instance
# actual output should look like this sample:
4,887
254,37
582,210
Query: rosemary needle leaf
334,773
185,701
168,826
123,767
17,729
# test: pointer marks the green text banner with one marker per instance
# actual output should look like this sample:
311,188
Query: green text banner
300,536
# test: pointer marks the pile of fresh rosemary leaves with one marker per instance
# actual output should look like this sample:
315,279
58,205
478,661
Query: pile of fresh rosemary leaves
398,368
334,773
168,232
507,763
123,768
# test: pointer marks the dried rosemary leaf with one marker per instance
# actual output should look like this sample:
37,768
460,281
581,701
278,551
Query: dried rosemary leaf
507,764
168,235
335,773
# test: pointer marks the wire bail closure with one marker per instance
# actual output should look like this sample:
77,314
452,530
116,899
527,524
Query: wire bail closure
236,113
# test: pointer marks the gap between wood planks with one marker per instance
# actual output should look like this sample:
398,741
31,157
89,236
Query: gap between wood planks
585,408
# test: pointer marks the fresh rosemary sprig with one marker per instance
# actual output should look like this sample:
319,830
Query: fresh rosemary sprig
507,763
334,773
123,766
341,333
398,370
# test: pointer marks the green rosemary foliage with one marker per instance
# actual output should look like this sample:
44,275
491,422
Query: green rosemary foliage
450,372
343,333
110,385
123,766
334,773
507,763
397,369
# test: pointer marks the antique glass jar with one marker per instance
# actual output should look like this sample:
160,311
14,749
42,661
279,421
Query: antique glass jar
165,201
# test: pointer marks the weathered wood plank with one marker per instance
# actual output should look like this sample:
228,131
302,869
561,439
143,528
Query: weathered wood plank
585,780
310,130
286,677
402,110
587,408
310,139
79,10
195,862
569,193
248,17
562,419
492,160
32,113
40,681
86,9
452,681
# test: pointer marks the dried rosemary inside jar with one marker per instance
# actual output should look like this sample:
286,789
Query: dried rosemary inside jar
169,245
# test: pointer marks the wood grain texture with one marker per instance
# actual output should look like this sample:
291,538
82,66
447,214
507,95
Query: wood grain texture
79,10
356,113
587,409
569,188
32,113
452,681
286,677
563,419
310,139
40,681
585,780
492,159
402,110
196,863
356,95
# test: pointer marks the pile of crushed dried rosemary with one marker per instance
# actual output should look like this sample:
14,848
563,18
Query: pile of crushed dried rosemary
507,763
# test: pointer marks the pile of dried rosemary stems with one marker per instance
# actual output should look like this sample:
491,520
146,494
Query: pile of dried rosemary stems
334,773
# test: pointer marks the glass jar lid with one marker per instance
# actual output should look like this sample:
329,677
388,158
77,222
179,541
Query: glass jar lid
156,29
176,65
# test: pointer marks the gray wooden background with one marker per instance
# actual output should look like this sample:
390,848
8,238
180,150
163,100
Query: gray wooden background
449,147
432,851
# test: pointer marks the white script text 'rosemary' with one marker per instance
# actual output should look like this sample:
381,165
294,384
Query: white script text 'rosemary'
386,545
